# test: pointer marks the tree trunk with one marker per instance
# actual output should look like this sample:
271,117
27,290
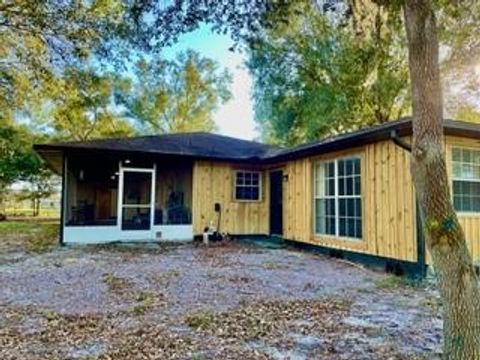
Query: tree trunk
445,238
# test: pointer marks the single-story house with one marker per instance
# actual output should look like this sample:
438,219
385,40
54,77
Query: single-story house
350,195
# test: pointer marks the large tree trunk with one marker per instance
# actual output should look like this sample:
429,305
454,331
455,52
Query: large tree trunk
458,282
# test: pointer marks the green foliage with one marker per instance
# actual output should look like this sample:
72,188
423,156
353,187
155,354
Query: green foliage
314,77
467,113
177,96
82,107
35,236
392,282
37,36
17,160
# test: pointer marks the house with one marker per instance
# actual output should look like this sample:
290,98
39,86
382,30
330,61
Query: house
350,195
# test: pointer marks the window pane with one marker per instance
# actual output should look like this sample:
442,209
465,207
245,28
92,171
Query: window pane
357,166
342,227
330,167
240,178
456,154
357,185
341,167
349,186
341,186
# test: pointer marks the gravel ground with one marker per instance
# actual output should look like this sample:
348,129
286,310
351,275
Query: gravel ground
233,301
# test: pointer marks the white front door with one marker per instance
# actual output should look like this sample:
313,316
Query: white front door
136,205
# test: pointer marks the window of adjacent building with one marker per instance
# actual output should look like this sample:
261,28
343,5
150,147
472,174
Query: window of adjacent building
466,179
247,185
338,198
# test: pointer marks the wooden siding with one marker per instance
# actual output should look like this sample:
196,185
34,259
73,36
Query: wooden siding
213,183
387,203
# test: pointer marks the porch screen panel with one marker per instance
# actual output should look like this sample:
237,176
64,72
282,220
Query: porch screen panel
173,194
91,191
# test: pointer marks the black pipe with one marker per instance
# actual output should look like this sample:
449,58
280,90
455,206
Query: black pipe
399,142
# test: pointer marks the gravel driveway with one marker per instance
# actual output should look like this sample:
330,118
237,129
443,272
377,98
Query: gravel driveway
233,301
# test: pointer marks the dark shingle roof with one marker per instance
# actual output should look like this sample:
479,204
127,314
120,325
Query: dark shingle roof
219,147
197,144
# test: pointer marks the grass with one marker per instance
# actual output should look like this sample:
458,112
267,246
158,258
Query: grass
392,282
31,236
200,320
26,212
145,301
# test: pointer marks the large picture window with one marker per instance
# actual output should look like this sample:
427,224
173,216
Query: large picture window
338,198
247,185
466,179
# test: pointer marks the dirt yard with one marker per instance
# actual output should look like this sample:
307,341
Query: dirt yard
182,302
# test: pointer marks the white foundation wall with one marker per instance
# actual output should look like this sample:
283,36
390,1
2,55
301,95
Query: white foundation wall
106,234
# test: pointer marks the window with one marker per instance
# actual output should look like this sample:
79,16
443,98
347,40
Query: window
338,200
466,179
247,185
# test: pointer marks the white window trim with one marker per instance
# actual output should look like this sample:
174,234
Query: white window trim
336,196
453,178
260,185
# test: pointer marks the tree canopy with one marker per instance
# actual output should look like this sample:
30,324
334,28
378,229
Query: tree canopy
177,95
315,77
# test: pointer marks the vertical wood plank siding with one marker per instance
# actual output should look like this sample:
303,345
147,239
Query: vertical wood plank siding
213,182
388,202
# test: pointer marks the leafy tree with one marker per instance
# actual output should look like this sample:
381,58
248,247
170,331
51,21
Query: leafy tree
39,37
17,160
41,185
177,96
315,76
82,107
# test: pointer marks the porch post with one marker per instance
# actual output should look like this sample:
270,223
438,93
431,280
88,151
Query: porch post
63,199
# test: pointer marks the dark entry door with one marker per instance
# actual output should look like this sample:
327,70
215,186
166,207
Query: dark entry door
276,203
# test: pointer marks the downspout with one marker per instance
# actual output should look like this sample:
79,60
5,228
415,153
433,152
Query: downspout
421,264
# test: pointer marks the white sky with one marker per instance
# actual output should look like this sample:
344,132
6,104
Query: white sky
234,118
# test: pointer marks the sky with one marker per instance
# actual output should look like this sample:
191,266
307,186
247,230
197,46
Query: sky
234,118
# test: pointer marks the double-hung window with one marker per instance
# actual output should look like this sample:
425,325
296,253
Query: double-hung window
247,185
466,179
338,198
